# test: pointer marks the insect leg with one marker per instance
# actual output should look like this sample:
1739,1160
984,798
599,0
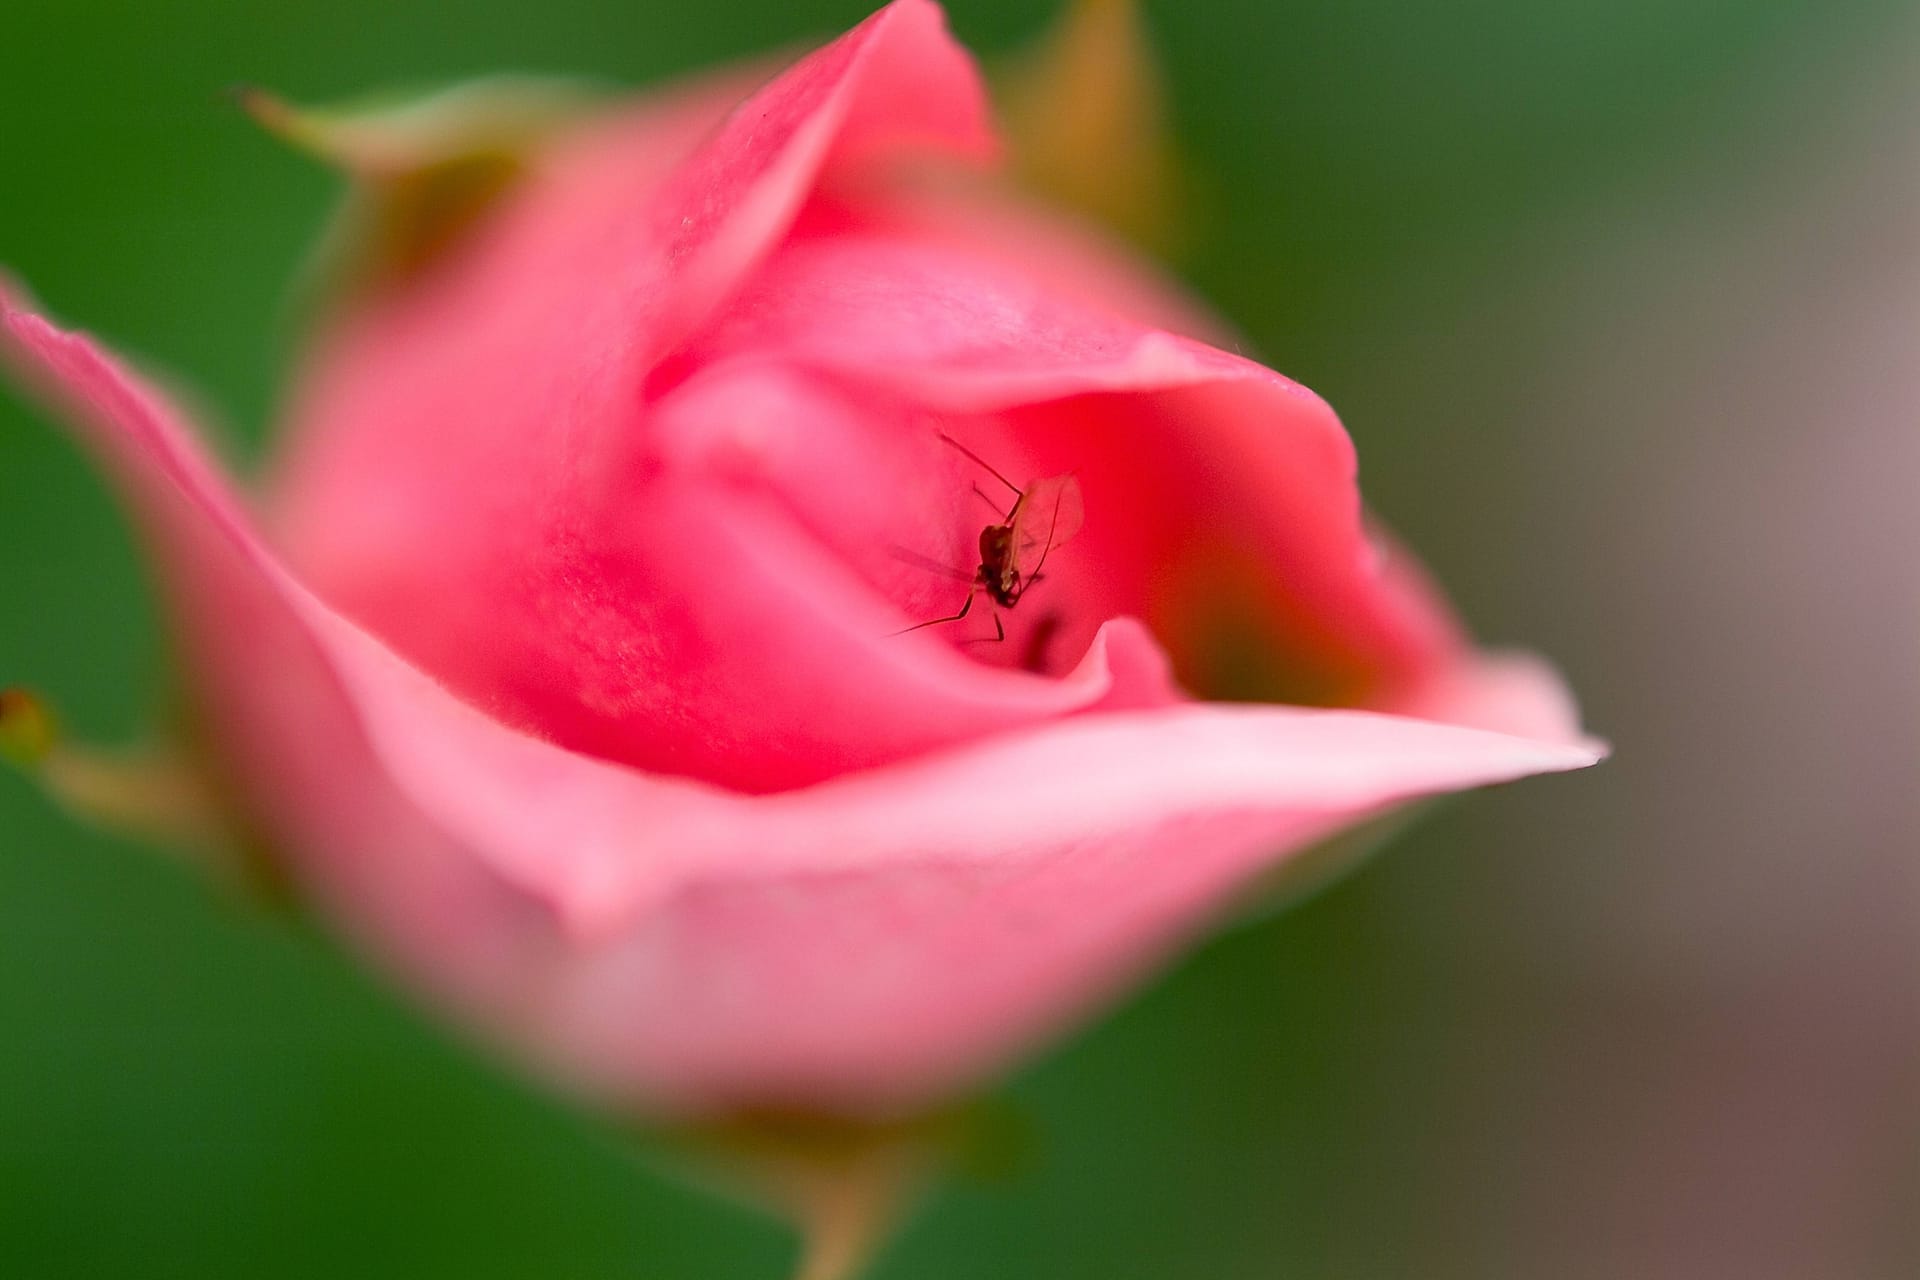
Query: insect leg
999,634
952,617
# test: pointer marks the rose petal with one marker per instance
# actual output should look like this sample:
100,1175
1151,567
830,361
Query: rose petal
860,944
767,657
1220,494
927,921
460,438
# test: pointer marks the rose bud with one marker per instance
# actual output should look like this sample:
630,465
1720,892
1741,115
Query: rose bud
588,652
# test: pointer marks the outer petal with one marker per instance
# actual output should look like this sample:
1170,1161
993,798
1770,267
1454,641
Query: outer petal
465,437
657,944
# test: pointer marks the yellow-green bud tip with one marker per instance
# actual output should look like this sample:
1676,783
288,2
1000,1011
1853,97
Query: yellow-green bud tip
27,730
290,124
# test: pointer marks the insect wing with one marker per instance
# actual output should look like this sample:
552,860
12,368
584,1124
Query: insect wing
1049,512
908,556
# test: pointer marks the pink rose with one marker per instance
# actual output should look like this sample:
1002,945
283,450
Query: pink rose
564,650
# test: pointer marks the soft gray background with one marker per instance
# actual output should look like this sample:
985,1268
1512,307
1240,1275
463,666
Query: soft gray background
1622,302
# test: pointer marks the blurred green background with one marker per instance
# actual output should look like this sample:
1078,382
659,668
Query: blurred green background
1622,303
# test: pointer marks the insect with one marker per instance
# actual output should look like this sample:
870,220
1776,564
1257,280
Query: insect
1014,551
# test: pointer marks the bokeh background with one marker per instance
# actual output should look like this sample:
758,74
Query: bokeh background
1621,299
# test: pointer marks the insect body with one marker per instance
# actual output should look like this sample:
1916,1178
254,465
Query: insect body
1014,550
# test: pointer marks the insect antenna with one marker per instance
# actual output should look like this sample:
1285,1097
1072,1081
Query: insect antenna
992,505
987,466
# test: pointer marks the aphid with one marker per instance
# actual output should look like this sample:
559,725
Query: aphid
1043,515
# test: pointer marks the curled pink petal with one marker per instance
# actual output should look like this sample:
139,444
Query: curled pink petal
456,437
1223,475
597,656
668,944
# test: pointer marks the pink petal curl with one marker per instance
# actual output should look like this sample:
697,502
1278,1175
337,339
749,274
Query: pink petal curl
657,944
689,386
648,509
1190,458
489,436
